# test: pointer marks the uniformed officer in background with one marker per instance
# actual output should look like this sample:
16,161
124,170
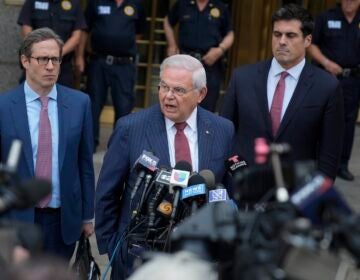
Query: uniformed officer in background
114,26
66,18
336,48
205,32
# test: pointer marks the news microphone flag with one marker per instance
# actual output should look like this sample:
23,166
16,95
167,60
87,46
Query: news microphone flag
194,190
218,195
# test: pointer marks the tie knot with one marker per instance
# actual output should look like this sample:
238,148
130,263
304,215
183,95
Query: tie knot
284,74
44,101
180,126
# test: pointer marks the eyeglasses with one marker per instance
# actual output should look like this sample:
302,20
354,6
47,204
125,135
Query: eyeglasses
44,60
164,88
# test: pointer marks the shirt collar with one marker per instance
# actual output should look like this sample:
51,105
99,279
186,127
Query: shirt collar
294,71
191,121
31,95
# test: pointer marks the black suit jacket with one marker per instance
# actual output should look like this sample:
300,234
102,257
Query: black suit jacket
312,123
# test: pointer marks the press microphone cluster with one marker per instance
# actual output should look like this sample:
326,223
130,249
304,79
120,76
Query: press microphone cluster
15,194
24,195
146,164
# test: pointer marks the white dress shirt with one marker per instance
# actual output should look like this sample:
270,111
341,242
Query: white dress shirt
190,132
290,82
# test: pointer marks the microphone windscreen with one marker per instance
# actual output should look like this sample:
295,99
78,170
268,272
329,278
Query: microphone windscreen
209,178
32,191
183,165
195,180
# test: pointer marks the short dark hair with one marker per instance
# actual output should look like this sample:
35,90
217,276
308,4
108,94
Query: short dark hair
297,12
36,36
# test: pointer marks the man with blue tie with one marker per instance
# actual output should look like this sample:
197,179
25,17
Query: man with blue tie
54,124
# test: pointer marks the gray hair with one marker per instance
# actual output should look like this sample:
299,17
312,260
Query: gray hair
187,62
37,36
180,266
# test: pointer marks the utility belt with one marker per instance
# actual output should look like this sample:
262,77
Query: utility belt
197,54
48,210
350,72
113,60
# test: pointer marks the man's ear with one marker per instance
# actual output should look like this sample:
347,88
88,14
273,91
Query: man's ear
24,61
202,94
308,40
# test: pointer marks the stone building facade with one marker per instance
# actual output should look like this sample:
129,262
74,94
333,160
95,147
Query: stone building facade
9,43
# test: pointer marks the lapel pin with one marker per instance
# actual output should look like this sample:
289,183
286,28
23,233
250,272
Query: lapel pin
207,131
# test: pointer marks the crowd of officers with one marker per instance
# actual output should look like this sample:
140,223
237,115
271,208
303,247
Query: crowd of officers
101,43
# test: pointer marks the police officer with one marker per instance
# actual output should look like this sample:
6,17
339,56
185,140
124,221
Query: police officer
336,48
66,18
114,26
205,33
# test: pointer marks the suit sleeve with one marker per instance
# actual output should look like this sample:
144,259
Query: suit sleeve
113,174
86,165
331,135
229,109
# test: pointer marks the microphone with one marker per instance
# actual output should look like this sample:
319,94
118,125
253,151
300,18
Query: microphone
235,165
180,175
178,180
165,208
209,178
162,182
218,194
318,201
145,164
23,195
195,194
14,156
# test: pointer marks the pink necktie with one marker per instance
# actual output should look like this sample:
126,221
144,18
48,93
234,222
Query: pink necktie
182,149
44,159
277,103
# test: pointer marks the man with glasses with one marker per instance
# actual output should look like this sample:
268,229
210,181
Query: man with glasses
54,124
66,18
209,137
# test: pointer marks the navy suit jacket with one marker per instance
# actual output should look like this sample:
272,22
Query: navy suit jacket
312,123
77,185
140,131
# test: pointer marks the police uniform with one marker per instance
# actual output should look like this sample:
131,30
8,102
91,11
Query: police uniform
62,16
339,41
198,32
113,29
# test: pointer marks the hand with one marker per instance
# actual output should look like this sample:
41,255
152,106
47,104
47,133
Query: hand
20,254
332,67
87,229
171,50
212,56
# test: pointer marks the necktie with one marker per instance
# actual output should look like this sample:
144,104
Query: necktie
182,150
44,158
277,103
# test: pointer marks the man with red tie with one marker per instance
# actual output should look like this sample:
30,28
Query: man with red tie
176,129
53,123
286,99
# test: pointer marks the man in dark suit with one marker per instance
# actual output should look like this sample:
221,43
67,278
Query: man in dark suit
182,87
286,99
54,124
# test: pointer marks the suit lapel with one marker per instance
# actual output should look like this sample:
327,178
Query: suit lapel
302,88
205,138
21,123
157,137
261,94
64,116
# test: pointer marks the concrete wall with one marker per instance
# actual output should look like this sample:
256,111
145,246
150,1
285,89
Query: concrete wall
9,43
